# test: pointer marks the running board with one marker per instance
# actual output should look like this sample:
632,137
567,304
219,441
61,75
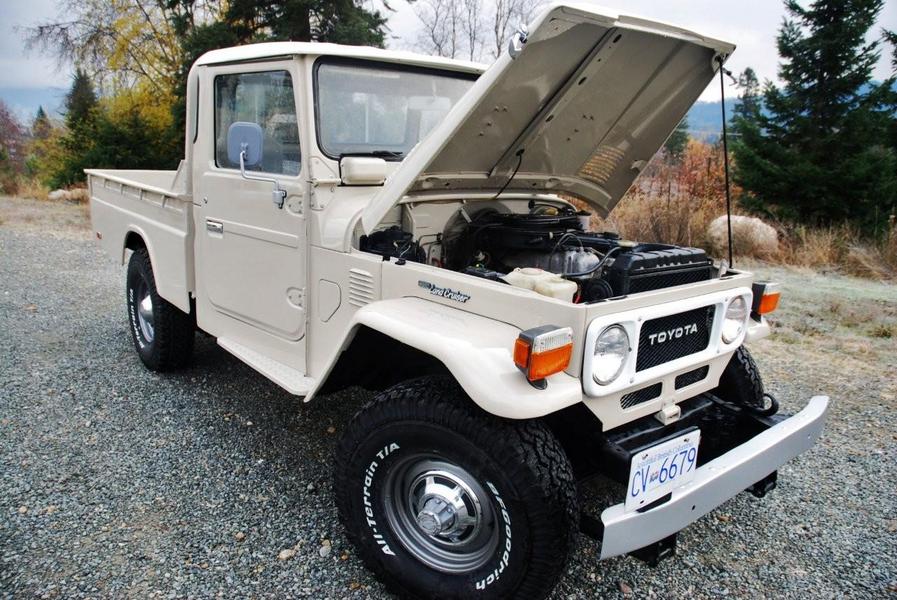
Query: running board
293,381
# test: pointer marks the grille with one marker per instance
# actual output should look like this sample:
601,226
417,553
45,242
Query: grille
639,396
686,379
662,340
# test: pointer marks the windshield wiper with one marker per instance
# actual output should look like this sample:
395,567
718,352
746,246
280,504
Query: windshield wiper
386,154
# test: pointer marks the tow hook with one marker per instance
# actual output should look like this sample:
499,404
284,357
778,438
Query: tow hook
651,554
765,485
656,552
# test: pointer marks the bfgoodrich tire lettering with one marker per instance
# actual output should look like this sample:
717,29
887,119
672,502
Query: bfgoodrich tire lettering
515,512
163,334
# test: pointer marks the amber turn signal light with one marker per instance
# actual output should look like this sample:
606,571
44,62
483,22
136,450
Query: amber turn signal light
543,351
766,297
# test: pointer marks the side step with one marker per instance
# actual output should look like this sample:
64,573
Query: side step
293,381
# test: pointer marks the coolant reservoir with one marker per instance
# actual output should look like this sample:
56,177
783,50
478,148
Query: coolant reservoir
556,286
543,282
526,278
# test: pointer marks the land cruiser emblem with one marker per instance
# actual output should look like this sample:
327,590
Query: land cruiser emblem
443,292
672,334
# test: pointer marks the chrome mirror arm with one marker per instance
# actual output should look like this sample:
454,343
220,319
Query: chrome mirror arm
278,195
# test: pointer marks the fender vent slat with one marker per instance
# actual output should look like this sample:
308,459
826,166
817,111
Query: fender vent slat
361,287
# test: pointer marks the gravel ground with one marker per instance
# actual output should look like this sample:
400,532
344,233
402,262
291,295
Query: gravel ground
117,482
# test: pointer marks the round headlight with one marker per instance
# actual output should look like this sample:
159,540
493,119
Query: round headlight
733,323
611,352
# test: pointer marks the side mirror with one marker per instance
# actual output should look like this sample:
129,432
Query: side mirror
245,142
363,170
245,137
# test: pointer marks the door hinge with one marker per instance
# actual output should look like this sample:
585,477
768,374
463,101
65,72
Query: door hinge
296,297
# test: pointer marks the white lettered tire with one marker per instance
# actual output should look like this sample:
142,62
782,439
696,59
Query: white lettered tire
444,500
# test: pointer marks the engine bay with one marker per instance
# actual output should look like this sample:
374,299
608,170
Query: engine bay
548,249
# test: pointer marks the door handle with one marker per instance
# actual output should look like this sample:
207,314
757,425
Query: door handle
214,226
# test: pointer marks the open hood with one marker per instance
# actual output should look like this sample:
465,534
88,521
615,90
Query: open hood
582,105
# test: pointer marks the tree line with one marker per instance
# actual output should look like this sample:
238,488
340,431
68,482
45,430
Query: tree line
820,147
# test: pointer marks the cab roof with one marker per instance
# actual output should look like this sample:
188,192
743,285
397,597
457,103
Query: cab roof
268,50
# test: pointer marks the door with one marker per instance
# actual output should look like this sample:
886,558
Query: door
253,251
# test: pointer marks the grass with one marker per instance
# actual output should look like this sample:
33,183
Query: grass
63,219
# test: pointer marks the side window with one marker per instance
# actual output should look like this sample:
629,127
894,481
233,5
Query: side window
266,99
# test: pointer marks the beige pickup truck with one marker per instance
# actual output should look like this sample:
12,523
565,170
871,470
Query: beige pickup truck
353,216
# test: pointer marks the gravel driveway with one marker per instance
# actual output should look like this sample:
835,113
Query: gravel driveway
117,482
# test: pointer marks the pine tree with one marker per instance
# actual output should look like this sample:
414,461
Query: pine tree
818,151
246,21
749,102
41,126
82,112
81,100
675,144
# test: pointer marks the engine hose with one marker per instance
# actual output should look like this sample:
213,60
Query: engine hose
594,269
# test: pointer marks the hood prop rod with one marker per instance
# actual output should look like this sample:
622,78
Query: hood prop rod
722,97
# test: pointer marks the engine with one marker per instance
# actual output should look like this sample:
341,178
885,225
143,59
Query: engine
523,248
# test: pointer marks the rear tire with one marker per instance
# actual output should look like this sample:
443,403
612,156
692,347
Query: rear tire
162,333
444,500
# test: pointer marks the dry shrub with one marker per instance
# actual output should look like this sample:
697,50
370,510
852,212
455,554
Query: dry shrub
9,183
674,201
34,189
865,261
842,247
645,218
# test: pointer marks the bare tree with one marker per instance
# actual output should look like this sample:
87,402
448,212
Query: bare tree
463,28
442,27
119,43
473,28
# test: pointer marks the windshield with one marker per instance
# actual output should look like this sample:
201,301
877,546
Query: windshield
380,109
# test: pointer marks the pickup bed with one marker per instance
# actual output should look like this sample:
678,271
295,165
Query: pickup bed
157,214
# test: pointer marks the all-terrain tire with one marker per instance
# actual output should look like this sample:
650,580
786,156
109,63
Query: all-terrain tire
167,343
516,470
740,382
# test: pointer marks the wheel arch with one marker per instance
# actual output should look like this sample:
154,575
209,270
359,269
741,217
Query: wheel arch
475,350
135,238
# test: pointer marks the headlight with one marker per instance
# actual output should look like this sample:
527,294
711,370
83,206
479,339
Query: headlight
733,323
611,352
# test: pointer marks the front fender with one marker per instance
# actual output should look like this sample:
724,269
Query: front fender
476,350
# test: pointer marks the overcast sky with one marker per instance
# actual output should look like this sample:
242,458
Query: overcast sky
752,26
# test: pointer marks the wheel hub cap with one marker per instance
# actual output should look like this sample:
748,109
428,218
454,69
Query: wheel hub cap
441,514
445,505
145,313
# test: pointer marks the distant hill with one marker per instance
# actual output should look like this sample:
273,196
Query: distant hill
704,118
705,121
24,101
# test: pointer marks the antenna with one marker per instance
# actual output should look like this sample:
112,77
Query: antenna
722,97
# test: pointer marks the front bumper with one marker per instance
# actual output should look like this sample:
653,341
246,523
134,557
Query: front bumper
715,482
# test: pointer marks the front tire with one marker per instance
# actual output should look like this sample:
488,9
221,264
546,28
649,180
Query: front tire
444,500
740,382
162,333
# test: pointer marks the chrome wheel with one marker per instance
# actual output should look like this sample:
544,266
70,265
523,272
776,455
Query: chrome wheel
145,311
440,514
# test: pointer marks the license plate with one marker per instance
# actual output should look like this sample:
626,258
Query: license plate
658,470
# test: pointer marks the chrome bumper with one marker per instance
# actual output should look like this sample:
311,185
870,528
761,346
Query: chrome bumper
714,483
